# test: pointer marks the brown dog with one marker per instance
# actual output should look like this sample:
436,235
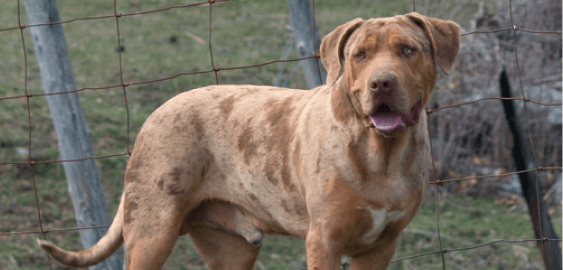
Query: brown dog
343,166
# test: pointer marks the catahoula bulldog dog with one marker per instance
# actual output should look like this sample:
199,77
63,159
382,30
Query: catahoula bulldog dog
343,166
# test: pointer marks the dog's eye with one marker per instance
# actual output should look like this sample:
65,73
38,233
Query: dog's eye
407,50
361,56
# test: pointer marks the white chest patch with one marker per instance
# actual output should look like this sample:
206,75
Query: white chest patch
380,219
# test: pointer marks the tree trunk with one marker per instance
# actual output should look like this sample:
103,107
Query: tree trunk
70,125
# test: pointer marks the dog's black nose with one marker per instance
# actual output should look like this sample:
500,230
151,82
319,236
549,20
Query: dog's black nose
382,83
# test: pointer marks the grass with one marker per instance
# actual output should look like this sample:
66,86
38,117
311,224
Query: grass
244,33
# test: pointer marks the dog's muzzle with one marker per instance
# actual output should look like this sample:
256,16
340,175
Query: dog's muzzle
386,119
388,122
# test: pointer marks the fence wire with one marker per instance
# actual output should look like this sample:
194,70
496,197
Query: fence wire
215,70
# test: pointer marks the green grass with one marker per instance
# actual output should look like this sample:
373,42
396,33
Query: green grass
244,33
466,222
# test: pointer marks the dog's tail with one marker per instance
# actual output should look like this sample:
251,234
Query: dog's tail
109,243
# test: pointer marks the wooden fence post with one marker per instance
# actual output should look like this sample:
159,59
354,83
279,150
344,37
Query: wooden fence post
302,18
70,125
531,185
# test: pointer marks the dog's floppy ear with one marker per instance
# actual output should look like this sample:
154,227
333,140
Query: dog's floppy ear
332,48
444,37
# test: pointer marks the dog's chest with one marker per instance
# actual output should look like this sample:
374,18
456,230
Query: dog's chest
380,218
386,174
393,185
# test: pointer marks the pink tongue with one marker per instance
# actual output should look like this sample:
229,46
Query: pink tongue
388,123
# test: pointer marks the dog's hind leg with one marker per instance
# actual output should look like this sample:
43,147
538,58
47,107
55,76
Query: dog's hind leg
150,233
148,248
223,250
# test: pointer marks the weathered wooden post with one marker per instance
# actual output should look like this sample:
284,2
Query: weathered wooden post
70,125
305,39
531,185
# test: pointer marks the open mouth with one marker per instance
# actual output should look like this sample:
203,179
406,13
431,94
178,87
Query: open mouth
389,122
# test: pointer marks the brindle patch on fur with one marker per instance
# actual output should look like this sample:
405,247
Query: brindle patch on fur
160,184
197,123
175,185
277,142
286,178
227,105
356,161
271,167
278,117
296,156
135,161
129,207
245,144
318,167
270,170
285,206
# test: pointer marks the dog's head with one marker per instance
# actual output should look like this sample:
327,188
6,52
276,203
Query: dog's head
390,65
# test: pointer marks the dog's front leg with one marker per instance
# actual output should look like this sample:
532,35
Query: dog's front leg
375,259
336,221
322,253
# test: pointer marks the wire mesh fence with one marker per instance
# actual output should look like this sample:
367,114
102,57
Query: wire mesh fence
123,84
